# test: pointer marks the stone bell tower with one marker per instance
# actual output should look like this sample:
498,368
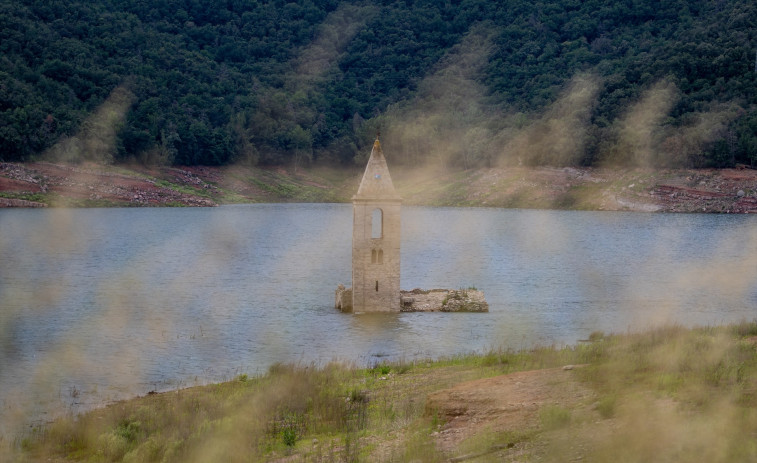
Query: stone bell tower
376,239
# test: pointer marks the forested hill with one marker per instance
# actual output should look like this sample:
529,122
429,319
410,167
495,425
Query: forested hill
460,83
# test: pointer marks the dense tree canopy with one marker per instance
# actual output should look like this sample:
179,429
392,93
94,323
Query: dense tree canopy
275,81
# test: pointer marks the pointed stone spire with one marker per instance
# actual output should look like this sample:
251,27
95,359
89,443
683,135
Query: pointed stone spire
376,183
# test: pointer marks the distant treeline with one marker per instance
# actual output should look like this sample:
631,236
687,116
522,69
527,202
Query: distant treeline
272,82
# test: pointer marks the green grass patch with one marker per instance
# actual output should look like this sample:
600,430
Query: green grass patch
63,201
292,189
36,197
607,406
184,189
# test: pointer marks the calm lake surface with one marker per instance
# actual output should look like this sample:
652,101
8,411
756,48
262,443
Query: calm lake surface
103,304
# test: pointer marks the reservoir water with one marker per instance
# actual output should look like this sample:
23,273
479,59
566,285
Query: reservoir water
102,304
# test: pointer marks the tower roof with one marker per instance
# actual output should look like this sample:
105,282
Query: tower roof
376,183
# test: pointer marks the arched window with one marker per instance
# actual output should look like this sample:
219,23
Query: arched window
380,256
377,223
373,256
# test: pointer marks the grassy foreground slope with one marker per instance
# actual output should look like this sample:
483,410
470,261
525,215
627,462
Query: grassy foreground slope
670,394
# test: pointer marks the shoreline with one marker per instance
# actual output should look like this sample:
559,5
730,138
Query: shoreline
43,184
540,403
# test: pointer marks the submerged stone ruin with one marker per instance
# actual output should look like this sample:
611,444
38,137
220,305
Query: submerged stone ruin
443,300
376,211
420,300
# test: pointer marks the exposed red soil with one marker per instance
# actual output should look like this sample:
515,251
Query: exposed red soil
725,190
94,184
9,184
503,403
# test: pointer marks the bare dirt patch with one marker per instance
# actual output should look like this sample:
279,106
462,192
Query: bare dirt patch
503,403
9,184
91,184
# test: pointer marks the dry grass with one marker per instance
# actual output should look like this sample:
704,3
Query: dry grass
671,394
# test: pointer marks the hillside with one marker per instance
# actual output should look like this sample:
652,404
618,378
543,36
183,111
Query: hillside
468,83
646,190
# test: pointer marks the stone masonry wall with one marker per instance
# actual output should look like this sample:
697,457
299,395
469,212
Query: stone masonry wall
376,282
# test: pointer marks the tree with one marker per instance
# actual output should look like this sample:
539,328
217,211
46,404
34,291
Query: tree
300,143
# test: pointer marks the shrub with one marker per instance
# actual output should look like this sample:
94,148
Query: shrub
289,436
554,417
606,406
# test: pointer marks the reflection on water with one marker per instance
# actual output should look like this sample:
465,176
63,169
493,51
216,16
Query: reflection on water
100,304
